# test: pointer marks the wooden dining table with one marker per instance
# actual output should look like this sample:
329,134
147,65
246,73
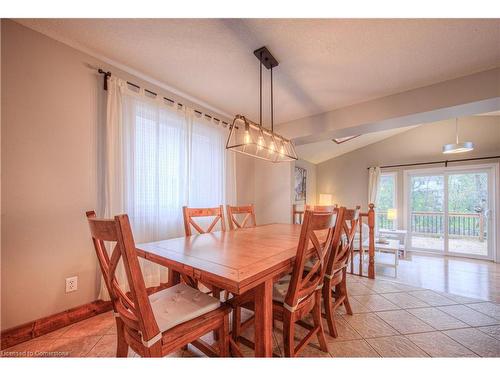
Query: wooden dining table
237,261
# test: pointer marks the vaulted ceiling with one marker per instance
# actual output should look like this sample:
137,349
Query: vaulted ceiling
324,64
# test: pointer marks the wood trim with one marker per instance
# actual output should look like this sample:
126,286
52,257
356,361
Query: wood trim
39,327
27,331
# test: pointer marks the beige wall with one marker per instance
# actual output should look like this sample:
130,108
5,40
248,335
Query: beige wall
272,186
245,177
51,108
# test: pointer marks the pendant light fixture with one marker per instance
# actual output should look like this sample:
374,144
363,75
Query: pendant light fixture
457,147
250,138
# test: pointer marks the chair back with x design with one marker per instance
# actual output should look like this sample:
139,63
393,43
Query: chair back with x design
133,307
317,230
342,250
248,220
189,213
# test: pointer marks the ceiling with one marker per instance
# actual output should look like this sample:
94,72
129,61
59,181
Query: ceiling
319,152
324,64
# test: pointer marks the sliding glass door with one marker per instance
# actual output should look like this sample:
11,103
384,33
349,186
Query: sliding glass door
427,212
449,211
468,212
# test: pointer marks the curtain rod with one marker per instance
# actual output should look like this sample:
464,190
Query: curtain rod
445,162
207,116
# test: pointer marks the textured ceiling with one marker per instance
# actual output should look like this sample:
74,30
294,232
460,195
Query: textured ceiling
324,64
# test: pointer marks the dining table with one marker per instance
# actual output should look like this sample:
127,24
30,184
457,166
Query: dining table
237,261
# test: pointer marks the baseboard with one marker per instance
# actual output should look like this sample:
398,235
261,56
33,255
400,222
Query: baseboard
27,331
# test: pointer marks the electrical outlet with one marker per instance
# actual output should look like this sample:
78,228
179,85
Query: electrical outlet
71,284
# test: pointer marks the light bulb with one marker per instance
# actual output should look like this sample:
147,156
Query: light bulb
247,137
282,150
272,148
260,143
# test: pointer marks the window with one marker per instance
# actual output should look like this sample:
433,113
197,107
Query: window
171,158
386,202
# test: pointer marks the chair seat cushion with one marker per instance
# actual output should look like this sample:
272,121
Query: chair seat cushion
180,303
280,289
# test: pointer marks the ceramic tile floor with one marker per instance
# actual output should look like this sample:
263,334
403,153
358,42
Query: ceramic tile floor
390,320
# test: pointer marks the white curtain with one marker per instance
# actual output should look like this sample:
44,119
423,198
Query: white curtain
161,157
373,184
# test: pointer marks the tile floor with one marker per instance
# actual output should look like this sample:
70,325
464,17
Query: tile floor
390,320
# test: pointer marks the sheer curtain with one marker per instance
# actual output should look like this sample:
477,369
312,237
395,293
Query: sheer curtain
161,157
373,183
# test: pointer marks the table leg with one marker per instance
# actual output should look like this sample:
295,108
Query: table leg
264,319
174,277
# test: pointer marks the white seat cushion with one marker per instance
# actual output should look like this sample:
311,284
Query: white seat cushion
179,304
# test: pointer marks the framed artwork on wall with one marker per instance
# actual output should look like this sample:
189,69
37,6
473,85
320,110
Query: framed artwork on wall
300,184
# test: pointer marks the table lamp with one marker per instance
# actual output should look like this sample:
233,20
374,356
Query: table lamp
392,214
325,199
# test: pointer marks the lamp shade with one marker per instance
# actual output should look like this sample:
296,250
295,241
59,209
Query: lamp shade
252,139
457,148
392,214
325,199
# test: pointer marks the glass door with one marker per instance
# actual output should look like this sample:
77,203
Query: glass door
449,211
427,212
468,212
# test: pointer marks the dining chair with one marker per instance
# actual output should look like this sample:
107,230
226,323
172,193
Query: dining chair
218,215
189,213
164,322
335,291
299,293
249,212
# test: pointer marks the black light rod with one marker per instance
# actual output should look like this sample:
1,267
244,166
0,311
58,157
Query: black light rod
445,162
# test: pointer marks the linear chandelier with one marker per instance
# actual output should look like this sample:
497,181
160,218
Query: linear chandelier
253,139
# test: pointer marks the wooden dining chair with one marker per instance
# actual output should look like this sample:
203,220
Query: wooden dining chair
248,220
189,213
164,322
335,291
299,293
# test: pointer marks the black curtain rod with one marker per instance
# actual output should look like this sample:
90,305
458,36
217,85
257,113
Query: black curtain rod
108,74
445,162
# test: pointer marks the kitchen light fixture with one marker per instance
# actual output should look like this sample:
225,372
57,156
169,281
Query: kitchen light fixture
456,148
253,139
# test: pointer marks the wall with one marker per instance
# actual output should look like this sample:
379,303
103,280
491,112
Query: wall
245,176
51,108
273,186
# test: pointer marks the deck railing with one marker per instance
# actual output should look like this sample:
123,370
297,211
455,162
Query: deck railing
460,224
470,225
